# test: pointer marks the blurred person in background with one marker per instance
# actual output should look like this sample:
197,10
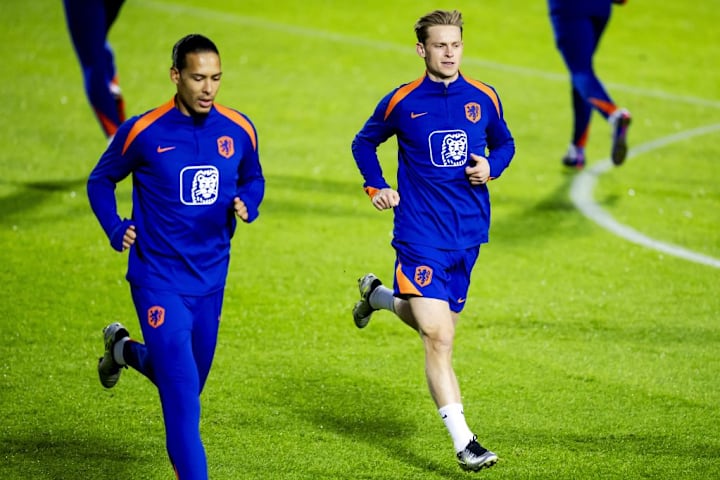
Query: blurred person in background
578,26
89,22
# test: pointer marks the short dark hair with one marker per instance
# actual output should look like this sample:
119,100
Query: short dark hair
193,43
437,17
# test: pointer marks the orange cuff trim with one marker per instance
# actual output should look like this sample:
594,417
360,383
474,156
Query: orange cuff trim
371,191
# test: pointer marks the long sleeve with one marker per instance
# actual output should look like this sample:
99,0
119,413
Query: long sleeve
501,145
112,168
251,184
364,148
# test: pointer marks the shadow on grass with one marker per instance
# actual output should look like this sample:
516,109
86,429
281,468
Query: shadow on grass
30,196
65,457
640,444
298,197
308,208
537,222
361,410
351,187
615,455
551,215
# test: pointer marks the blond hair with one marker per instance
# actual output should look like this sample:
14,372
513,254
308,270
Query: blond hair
437,17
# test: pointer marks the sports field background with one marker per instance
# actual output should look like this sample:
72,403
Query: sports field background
580,354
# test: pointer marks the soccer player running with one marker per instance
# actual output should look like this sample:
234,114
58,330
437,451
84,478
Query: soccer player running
195,168
578,27
89,22
452,139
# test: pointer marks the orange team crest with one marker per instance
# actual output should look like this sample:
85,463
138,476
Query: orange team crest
226,147
472,111
423,275
156,316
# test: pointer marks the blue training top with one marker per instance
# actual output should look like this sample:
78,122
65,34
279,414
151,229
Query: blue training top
186,172
437,127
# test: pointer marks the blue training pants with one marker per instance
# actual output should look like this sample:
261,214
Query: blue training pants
180,334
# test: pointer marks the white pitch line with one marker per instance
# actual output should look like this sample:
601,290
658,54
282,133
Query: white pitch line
357,41
581,194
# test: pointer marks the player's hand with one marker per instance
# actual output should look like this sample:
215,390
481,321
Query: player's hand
129,237
386,198
240,209
478,174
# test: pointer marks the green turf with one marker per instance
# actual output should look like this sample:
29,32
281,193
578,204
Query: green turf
580,354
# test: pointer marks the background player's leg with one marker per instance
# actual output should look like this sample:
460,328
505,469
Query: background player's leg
577,39
87,24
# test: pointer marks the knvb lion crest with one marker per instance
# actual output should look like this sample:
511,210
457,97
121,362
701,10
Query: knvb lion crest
155,316
473,112
454,148
423,275
448,148
199,185
226,147
205,186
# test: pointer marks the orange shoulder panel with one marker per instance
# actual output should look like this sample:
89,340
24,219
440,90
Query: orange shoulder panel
146,120
487,90
401,93
240,120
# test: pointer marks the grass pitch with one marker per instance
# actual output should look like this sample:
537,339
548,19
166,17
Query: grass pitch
580,354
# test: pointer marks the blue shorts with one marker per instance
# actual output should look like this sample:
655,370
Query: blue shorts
422,271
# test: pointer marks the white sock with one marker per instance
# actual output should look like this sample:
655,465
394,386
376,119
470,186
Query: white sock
382,298
454,419
117,352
